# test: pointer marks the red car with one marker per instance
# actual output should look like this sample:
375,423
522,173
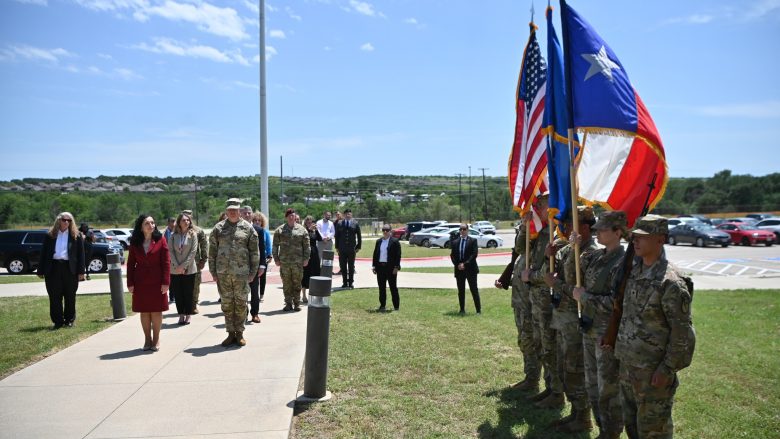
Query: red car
399,233
746,234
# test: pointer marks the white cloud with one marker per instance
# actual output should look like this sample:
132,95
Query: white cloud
30,53
292,14
755,110
762,8
94,70
368,47
270,51
127,74
172,47
247,85
224,22
327,48
410,20
362,8
35,2
690,19
105,56
252,6
271,8
276,33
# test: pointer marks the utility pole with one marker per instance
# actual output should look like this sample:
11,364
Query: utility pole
469,194
263,126
484,191
460,200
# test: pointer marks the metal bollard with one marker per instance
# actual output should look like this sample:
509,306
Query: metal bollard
317,331
326,268
117,286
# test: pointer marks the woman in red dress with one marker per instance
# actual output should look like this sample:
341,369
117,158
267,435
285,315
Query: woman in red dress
148,278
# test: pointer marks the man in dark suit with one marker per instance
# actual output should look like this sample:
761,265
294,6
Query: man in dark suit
463,253
348,241
386,263
62,266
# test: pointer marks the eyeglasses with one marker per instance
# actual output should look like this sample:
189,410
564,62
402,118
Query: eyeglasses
66,220
463,228
385,230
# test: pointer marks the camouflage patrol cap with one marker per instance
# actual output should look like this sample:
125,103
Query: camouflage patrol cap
585,214
187,212
651,225
611,220
233,203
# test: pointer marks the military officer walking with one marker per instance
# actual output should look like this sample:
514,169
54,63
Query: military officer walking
656,338
291,251
234,260
601,367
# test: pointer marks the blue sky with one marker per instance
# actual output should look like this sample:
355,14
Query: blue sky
170,87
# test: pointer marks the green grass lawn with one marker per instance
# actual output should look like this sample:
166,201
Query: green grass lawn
409,251
25,323
426,372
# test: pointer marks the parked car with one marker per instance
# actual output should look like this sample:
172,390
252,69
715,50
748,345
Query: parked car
742,220
698,235
746,234
489,241
122,235
423,237
717,221
416,226
20,251
674,222
701,218
771,224
759,216
485,227
399,233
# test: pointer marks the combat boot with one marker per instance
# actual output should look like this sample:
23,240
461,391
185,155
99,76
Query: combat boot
231,338
580,423
240,339
553,401
528,385
568,418
540,396
287,307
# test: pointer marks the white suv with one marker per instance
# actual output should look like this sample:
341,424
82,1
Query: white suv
485,227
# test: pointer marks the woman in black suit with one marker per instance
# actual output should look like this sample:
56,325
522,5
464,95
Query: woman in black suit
62,266
313,268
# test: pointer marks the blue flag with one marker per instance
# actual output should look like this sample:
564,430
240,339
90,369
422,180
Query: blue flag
556,123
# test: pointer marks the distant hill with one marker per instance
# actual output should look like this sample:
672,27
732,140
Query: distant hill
392,198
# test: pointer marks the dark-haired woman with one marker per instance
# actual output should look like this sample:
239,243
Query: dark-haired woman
148,278
313,269
183,246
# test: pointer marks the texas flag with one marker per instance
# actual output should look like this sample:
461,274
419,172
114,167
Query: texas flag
621,147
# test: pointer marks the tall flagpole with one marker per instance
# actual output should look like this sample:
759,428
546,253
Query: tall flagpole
263,126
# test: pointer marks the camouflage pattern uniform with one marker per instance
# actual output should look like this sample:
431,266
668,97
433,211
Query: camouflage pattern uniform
656,335
291,247
521,304
233,257
541,310
201,257
567,325
601,367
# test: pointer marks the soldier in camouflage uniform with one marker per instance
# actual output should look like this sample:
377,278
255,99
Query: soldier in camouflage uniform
541,307
234,260
595,296
291,250
565,321
656,336
201,257
521,305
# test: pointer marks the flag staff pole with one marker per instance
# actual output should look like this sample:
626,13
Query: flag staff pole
572,167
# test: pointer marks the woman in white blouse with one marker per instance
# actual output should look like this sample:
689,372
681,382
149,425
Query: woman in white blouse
183,246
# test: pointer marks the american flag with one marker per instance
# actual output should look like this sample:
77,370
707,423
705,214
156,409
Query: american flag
528,161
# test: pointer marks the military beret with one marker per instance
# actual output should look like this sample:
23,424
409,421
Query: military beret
611,220
651,225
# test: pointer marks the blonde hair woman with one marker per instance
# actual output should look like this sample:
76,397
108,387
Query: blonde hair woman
183,247
257,286
62,266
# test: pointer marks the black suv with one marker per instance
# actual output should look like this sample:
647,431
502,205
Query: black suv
20,251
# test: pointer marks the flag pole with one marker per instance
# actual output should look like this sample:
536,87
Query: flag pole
572,168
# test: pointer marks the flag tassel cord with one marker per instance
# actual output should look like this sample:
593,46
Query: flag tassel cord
574,215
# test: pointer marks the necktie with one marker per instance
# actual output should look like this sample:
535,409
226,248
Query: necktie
462,247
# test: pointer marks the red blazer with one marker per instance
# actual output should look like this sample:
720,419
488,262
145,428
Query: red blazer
149,271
